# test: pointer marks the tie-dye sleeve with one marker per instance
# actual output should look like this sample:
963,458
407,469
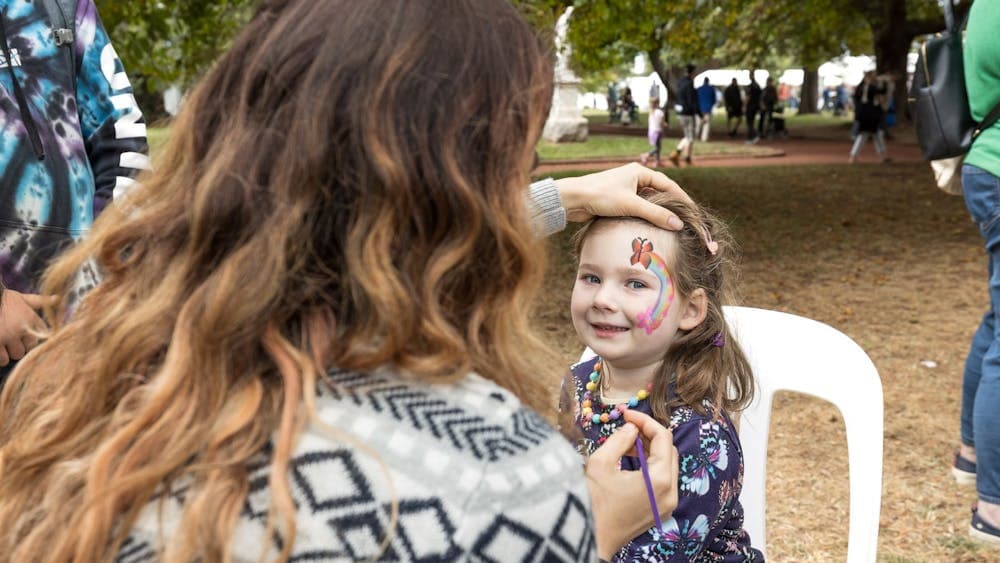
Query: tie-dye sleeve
112,124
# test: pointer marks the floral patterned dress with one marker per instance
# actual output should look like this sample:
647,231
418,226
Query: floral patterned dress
707,524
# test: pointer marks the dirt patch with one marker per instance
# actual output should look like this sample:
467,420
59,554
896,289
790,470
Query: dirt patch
882,255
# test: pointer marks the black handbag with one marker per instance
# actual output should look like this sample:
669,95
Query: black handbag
938,97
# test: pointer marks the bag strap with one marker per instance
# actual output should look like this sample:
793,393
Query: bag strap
987,122
64,12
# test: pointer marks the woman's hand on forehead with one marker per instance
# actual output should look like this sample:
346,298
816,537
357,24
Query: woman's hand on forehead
614,193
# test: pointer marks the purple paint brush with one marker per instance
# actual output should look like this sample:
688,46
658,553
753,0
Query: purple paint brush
649,484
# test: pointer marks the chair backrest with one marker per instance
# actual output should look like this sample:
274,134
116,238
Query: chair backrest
793,353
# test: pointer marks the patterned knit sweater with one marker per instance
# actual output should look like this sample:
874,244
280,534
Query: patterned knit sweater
477,476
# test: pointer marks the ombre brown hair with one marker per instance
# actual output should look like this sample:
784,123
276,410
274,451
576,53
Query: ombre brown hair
695,367
345,188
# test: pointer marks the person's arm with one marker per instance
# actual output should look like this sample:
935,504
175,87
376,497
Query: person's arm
619,499
113,127
612,192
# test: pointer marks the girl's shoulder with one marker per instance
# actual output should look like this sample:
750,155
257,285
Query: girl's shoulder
581,370
685,418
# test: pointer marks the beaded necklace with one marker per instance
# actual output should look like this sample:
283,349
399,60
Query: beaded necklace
594,412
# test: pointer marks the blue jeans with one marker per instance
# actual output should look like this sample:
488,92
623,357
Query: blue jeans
981,383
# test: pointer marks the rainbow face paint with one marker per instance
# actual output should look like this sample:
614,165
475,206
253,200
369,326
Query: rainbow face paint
642,253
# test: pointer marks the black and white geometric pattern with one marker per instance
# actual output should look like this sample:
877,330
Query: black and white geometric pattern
475,476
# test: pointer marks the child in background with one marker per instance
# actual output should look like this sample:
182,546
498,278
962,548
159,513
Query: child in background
649,303
655,132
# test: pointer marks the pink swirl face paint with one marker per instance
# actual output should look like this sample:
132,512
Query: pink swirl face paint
642,253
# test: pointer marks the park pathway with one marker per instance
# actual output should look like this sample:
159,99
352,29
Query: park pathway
788,151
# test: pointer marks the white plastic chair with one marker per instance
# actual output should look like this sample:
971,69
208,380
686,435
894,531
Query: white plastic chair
793,353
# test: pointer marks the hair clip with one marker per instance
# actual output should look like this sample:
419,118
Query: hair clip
713,247
719,340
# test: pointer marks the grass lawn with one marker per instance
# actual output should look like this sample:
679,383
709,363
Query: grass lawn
882,255
156,136
601,146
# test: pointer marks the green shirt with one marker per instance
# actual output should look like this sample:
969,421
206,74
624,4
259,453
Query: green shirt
982,79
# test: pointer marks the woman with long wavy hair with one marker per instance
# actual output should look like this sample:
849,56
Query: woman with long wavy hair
312,339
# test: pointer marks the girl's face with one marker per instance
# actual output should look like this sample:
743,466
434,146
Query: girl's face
624,304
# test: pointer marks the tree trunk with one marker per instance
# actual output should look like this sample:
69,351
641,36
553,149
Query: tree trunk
809,96
893,33
666,76
892,45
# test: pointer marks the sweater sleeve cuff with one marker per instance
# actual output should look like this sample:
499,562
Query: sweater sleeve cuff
547,214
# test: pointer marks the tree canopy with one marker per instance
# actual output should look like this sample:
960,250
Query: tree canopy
170,43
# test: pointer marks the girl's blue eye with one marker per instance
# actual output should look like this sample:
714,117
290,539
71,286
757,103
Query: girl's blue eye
590,278
635,284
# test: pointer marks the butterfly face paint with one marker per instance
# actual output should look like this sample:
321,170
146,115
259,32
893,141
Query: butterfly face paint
642,253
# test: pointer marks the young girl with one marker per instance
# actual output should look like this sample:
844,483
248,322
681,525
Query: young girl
649,303
655,132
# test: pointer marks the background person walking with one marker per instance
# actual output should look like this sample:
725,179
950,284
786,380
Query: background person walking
687,115
753,106
707,96
733,97
768,101
654,133
868,116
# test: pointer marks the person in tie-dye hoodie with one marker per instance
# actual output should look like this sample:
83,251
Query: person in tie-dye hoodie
71,139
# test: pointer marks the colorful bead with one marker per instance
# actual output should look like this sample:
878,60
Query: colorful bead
589,404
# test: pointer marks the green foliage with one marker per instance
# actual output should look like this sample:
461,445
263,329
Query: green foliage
164,43
606,33
805,32
542,14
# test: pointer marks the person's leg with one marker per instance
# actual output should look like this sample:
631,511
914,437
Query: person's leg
986,407
751,130
981,341
690,134
858,140
706,124
675,155
656,149
982,197
880,144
